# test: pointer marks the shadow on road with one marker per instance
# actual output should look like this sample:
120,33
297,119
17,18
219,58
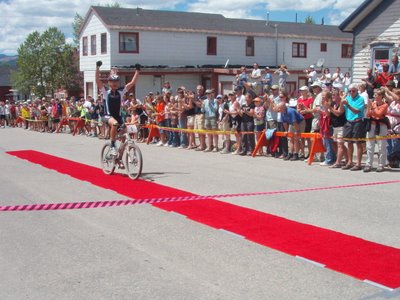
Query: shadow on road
152,176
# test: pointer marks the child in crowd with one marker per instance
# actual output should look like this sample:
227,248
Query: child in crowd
259,120
326,130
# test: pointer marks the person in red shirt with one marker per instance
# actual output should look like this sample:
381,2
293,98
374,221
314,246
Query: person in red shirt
160,120
13,114
305,102
382,78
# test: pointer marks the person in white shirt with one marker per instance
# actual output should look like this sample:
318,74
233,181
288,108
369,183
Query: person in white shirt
362,90
346,81
255,80
7,111
326,78
311,75
240,98
337,79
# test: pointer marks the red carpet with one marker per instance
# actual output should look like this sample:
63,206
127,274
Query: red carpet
350,255
118,183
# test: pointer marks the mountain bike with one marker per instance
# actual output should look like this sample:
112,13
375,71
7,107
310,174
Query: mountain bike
129,156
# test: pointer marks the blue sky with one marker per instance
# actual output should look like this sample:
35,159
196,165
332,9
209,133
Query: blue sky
21,17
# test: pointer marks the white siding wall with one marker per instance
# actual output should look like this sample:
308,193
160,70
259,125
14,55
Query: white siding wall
149,83
181,49
94,27
385,28
333,56
189,81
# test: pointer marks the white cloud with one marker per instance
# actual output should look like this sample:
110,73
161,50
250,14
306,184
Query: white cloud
300,5
343,9
228,8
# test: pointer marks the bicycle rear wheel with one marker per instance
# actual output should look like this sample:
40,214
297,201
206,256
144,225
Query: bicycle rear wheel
133,161
107,160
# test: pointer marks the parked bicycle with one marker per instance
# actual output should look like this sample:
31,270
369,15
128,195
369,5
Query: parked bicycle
129,156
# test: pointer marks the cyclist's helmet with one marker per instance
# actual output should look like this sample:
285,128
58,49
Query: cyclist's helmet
113,78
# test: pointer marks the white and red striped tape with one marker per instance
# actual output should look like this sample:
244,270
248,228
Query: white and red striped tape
114,203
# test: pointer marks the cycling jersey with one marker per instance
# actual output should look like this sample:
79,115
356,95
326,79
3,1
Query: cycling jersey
112,102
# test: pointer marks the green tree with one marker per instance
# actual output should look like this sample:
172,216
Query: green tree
76,27
309,20
72,78
45,63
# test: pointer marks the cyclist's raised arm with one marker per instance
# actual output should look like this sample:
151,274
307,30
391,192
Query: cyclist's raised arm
134,79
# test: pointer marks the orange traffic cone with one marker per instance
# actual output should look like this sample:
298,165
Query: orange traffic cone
316,147
153,132
262,142
63,122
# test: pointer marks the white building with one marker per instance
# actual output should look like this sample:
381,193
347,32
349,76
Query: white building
375,25
191,48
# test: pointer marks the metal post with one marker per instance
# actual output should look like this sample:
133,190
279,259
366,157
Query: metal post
275,26
276,44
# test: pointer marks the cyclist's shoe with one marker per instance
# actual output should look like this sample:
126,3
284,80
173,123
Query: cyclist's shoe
113,151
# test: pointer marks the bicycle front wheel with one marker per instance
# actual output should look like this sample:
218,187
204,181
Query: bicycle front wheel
107,160
133,161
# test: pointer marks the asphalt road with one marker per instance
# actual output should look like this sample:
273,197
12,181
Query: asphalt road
142,252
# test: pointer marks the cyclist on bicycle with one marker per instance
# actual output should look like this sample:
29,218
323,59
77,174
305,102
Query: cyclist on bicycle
113,99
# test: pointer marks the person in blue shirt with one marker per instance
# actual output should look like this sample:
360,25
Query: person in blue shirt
267,80
241,78
293,122
210,109
353,107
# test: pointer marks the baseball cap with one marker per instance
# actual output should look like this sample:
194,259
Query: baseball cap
219,97
208,91
312,67
316,84
274,87
238,88
266,68
231,93
304,88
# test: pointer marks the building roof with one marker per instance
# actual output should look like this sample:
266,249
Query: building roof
158,20
359,15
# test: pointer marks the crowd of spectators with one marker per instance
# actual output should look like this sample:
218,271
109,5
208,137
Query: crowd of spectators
348,116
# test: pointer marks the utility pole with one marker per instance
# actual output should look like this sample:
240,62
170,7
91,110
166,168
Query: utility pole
275,26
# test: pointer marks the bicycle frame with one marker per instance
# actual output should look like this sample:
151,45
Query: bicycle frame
125,139
124,159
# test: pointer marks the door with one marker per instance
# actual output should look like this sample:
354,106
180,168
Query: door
89,89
